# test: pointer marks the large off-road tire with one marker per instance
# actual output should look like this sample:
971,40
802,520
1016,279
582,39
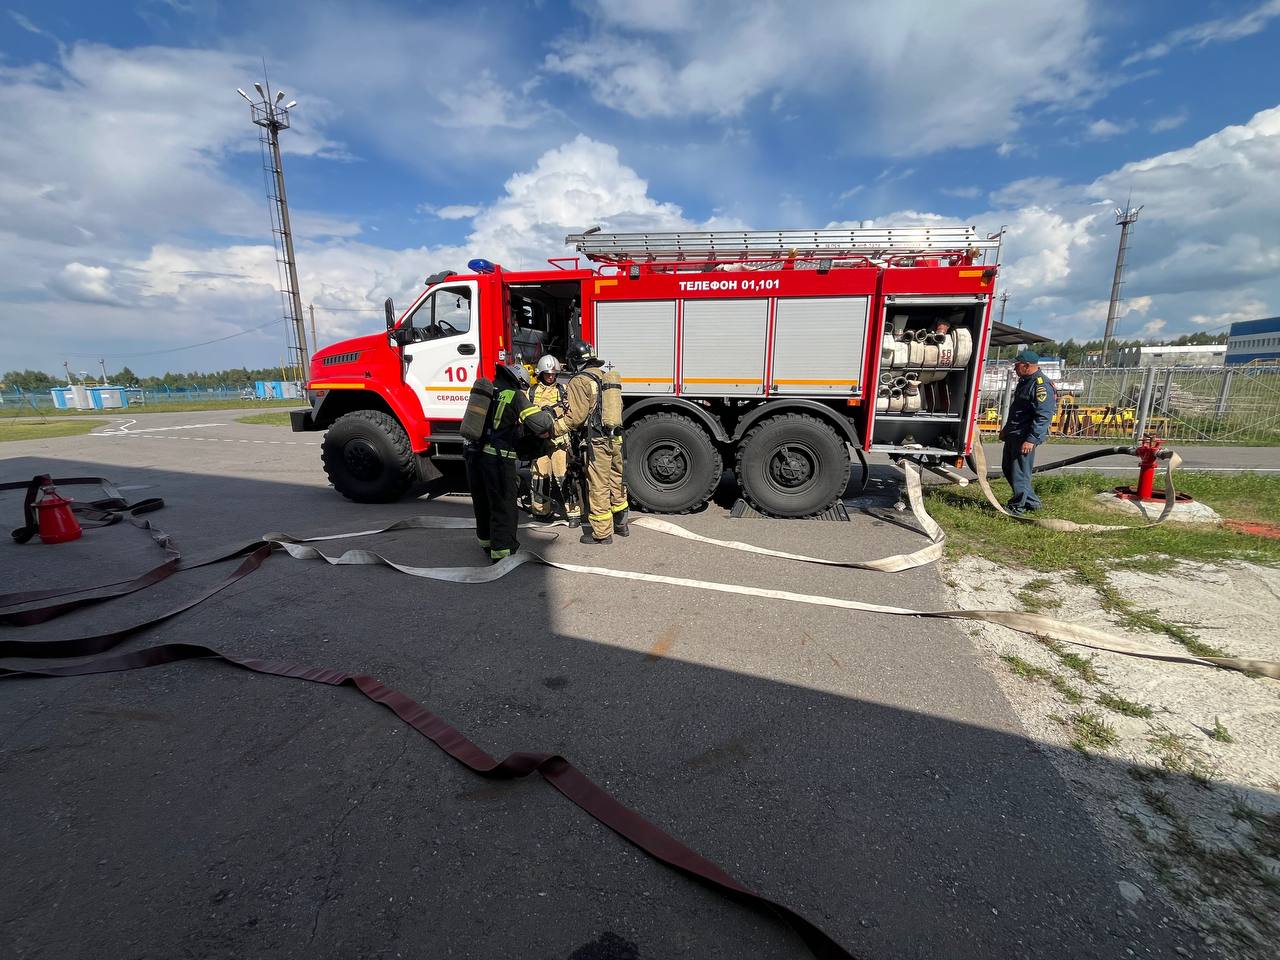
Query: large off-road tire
367,457
672,465
792,465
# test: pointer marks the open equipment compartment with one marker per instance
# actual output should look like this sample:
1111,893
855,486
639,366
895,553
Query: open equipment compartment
929,356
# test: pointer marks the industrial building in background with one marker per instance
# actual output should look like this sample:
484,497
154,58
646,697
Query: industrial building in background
1254,341
1188,355
271,115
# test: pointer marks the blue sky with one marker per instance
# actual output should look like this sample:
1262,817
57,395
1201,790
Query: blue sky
132,219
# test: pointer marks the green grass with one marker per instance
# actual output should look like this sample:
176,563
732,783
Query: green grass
1177,755
276,418
1119,704
1091,732
972,528
1029,671
1080,666
35,430
1034,598
175,406
1220,733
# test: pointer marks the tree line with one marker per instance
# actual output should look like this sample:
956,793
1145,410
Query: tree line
1074,354
37,381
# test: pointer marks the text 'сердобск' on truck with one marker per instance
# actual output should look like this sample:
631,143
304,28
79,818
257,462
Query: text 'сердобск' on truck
776,353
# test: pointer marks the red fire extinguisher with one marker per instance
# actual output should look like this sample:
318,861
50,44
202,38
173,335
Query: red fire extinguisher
57,523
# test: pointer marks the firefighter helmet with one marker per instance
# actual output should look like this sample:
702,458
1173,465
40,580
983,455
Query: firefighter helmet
581,353
548,364
516,372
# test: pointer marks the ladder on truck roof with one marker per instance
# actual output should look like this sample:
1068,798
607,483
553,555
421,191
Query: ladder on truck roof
714,245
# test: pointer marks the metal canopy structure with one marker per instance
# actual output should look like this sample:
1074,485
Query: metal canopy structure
1006,335
733,245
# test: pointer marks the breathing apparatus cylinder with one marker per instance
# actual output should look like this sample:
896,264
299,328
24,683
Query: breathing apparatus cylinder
477,413
611,400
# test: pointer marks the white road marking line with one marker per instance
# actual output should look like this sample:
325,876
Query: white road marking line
138,436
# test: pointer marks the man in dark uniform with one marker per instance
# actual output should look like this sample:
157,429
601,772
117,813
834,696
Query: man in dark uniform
1026,427
491,463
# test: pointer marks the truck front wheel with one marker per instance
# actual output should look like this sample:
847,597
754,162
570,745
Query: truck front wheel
367,457
672,465
792,466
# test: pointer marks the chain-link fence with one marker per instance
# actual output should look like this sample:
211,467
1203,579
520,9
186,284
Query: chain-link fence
1229,405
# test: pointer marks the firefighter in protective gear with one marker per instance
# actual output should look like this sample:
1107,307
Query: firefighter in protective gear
601,443
548,483
491,463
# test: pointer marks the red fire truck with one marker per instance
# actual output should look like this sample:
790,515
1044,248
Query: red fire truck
779,353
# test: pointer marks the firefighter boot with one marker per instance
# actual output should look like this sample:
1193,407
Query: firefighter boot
589,537
621,519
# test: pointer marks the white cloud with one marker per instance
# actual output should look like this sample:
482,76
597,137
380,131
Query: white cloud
1151,329
455,211
964,193
1247,310
580,184
1203,252
199,292
1104,129
1170,122
87,284
890,78
1221,30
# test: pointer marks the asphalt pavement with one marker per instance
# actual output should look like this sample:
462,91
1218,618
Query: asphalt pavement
865,770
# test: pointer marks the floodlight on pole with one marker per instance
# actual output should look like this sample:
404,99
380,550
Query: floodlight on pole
245,95
271,117
1124,220
291,104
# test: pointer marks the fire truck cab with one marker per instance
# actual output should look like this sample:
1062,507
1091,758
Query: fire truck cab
776,353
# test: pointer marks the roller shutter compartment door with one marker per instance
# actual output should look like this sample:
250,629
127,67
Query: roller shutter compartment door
818,346
724,347
639,338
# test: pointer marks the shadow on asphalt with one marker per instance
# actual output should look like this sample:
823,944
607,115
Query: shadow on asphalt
197,810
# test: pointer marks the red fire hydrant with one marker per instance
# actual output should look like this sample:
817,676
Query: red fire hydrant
57,523
1147,451
1148,456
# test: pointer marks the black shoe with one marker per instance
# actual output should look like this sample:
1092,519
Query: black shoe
575,523
621,529
589,537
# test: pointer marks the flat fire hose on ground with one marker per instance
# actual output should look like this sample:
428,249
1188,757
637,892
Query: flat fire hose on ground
1068,526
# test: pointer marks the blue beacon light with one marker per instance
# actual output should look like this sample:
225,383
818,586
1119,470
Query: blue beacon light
480,265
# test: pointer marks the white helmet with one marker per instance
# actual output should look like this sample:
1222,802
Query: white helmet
548,364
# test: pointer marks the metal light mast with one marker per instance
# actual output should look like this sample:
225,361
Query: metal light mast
268,114
1124,218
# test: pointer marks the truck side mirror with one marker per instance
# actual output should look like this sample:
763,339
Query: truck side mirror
389,308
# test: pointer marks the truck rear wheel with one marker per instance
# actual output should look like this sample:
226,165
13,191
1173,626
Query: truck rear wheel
672,465
792,466
367,457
